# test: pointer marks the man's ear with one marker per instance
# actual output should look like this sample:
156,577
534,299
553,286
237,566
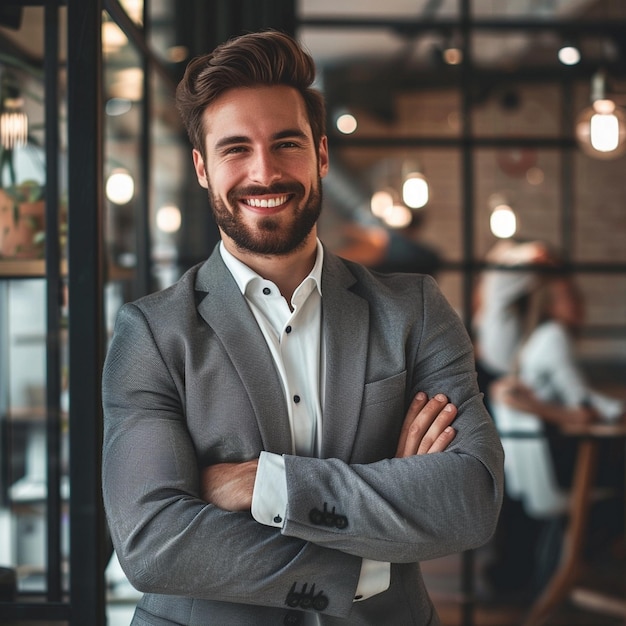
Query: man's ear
198,163
323,157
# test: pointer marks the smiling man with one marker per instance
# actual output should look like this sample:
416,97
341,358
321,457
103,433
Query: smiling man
278,448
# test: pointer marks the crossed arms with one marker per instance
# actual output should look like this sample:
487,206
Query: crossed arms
426,429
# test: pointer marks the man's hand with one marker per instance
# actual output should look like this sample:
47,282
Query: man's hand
229,486
426,426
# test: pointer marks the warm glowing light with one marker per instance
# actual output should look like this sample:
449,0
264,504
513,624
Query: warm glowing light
453,56
381,201
569,55
120,187
604,132
503,222
13,124
168,219
601,127
397,216
535,176
346,123
415,192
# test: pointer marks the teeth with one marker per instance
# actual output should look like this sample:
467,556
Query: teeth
265,203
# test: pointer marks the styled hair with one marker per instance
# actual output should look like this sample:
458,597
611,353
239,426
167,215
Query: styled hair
256,59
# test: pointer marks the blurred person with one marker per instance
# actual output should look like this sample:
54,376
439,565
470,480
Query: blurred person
386,249
547,382
547,379
500,298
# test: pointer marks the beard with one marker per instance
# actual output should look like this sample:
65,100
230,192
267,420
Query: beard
270,235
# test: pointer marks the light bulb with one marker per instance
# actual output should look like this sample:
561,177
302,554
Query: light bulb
120,187
601,127
168,219
503,222
604,132
569,55
415,192
13,124
346,123
380,202
397,216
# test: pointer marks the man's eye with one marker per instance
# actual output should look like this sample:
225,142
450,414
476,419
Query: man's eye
235,150
288,144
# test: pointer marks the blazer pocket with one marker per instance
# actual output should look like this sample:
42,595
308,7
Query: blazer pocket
382,414
389,389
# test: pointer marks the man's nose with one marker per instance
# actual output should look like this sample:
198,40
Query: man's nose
264,168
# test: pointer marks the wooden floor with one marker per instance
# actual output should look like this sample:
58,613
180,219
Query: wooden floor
605,574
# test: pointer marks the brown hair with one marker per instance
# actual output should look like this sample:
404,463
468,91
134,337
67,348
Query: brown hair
265,58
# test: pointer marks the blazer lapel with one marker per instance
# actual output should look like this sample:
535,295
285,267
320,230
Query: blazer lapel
225,310
346,331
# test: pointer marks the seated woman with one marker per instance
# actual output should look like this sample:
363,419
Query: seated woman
547,379
549,389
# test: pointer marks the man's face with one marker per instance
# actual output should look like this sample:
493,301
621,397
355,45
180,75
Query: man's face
261,169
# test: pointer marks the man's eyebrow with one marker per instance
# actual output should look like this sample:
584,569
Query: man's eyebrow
231,140
290,132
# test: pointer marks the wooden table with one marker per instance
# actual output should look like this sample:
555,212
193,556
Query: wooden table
571,564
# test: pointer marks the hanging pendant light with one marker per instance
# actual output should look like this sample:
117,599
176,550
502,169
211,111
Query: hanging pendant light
601,127
13,124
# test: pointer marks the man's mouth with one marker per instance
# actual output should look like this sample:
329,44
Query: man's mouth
265,203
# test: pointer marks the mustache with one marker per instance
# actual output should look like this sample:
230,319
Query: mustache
276,189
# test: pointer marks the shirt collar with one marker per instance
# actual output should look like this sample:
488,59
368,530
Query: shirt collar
244,275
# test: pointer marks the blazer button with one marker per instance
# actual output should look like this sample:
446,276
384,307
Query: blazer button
341,522
293,618
320,602
316,516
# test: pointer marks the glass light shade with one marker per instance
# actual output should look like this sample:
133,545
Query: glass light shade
381,201
601,130
397,216
569,55
346,123
120,187
168,219
415,192
503,222
453,55
13,124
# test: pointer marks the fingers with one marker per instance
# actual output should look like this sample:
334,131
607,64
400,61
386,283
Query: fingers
418,403
426,427
442,441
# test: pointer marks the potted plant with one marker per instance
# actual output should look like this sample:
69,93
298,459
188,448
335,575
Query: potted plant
22,213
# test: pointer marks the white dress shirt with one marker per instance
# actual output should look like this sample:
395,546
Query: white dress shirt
294,337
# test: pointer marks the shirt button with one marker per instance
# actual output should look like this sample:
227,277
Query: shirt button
267,291
296,399
288,329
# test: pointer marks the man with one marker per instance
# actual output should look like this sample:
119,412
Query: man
265,445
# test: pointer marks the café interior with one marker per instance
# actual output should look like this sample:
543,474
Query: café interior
455,128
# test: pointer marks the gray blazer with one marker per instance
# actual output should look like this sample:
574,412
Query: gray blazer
190,381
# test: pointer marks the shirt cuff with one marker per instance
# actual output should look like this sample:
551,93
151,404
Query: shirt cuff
269,496
375,578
